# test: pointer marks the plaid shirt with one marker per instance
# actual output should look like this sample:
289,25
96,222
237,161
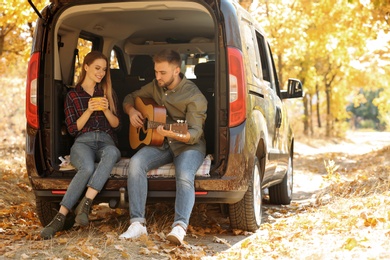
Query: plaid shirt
76,103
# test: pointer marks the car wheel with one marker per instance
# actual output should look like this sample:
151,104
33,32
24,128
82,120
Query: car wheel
281,194
47,210
247,213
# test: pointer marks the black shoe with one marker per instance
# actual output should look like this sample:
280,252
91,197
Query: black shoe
82,212
54,226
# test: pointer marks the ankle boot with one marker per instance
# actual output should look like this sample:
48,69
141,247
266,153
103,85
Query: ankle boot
82,211
53,227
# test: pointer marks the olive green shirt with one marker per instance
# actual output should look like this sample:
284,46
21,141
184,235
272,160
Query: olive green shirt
184,102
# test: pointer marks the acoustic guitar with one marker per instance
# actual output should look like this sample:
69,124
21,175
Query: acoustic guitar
154,115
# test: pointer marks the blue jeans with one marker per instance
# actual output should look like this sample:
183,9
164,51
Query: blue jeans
89,148
148,158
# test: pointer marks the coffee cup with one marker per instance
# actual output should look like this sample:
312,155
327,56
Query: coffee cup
98,99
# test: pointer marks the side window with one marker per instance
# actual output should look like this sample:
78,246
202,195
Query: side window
189,62
275,75
251,49
84,46
114,64
117,59
265,66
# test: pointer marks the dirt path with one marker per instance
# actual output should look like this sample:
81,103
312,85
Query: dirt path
311,154
309,169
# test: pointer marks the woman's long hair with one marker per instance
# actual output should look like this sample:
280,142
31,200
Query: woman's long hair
105,84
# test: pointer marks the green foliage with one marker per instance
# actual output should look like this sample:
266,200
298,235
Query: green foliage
383,104
365,112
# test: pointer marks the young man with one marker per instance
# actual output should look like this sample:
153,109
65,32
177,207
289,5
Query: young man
183,101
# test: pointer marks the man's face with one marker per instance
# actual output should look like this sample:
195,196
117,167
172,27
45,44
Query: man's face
165,73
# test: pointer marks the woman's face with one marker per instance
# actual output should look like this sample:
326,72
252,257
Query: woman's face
96,70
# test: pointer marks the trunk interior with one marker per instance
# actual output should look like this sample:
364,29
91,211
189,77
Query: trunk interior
131,32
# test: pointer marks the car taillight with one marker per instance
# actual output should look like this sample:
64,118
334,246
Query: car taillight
237,87
31,91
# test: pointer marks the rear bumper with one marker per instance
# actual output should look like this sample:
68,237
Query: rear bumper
228,197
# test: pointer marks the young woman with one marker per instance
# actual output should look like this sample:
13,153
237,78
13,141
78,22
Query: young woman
91,121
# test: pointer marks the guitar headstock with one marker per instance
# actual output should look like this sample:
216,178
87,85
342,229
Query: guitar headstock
180,127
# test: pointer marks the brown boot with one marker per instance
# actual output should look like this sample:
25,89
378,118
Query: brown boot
82,211
53,227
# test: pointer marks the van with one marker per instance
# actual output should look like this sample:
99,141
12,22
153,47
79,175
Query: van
250,144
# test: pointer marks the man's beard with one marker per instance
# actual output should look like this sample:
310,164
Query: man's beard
166,84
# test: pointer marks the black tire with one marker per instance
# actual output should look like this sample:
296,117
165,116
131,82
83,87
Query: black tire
281,194
247,213
46,211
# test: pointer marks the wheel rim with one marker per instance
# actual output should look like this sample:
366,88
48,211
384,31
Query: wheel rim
257,200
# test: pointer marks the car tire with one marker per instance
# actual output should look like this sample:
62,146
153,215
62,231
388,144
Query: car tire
247,213
46,211
281,194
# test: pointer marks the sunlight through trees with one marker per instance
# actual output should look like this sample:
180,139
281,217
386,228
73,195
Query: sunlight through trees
335,47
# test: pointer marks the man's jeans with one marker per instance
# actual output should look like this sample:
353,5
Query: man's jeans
148,158
89,148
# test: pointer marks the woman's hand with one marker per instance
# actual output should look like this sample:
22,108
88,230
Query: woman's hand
98,104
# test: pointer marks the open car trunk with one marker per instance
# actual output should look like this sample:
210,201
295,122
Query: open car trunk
132,31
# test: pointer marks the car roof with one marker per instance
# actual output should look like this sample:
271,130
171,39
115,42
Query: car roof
190,20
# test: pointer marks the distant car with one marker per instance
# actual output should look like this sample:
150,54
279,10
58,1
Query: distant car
224,52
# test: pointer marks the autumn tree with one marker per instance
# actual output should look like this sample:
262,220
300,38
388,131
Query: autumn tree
323,43
317,42
16,28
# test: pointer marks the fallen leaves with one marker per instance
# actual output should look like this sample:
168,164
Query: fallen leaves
349,219
350,244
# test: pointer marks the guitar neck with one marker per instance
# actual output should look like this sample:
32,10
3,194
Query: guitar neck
154,125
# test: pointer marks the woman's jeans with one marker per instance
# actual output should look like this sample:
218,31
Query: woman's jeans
89,148
148,158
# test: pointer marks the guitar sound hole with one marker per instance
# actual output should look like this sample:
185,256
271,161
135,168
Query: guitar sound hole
146,124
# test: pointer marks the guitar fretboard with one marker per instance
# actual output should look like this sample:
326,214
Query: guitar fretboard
154,125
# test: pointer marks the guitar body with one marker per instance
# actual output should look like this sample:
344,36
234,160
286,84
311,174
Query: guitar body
151,111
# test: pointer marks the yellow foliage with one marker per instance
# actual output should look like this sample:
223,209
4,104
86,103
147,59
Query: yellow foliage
17,21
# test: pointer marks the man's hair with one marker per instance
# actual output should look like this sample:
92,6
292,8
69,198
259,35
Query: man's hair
169,56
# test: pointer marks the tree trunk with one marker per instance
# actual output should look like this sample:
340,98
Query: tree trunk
311,115
306,115
318,107
328,111
2,38
280,69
